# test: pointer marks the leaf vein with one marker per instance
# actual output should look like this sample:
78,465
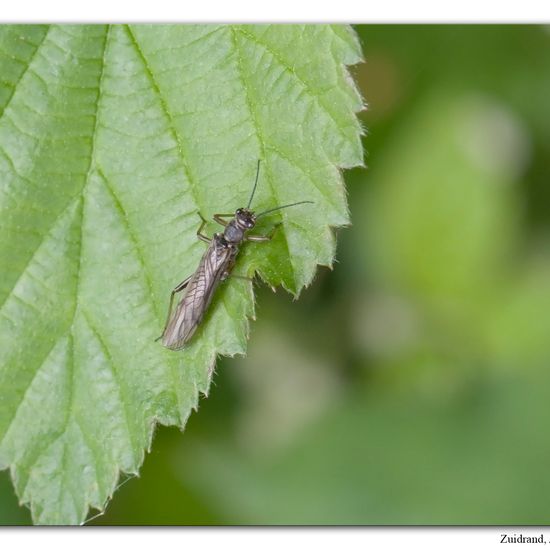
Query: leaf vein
171,123
121,388
257,127
306,87
35,252
21,76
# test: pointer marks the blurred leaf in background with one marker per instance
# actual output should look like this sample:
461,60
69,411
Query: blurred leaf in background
410,385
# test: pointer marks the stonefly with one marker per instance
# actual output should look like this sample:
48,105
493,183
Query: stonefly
215,266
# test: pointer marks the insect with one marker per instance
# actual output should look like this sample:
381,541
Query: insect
215,266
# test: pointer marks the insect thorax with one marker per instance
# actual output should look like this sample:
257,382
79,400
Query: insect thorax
233,232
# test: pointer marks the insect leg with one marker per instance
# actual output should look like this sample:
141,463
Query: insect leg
262,238
218,218
179,288
199,230
242,277
229,268
227,273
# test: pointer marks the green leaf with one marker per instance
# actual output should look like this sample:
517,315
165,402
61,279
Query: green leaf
112,140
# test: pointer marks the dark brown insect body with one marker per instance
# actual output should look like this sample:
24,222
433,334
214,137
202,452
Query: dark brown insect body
215,266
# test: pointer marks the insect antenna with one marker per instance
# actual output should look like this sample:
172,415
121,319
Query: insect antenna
255,185
281,207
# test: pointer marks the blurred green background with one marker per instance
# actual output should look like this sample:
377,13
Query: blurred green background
411,385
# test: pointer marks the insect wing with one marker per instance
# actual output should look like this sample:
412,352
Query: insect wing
190,310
